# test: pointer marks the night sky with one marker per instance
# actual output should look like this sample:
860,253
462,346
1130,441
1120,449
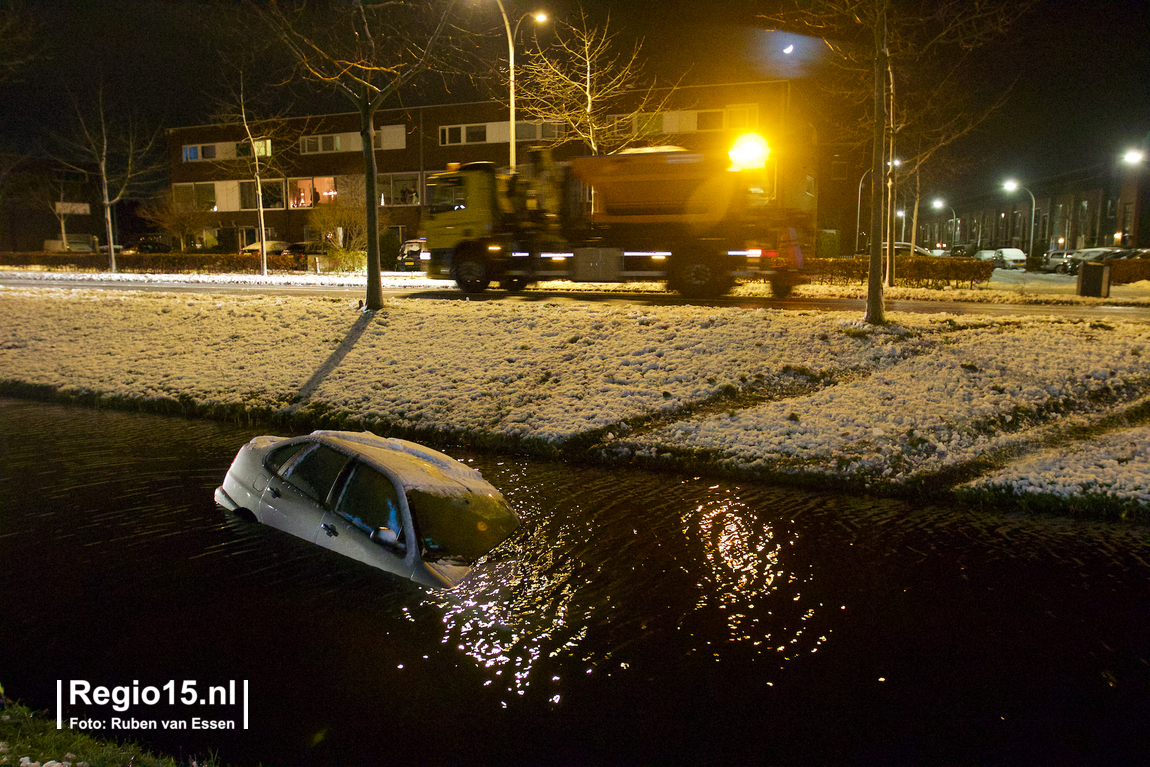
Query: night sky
1082,68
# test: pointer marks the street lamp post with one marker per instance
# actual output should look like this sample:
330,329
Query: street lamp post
511,68
1011,185
939,204
858,216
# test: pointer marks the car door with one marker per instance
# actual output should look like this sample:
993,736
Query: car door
368,521
296,496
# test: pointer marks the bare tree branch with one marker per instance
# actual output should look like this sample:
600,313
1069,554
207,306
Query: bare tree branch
368,51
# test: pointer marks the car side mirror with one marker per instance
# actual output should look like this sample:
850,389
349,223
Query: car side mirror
387,538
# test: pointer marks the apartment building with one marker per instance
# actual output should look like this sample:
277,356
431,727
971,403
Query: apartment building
308,162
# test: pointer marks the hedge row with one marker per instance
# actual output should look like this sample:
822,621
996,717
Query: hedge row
1123,271
909,271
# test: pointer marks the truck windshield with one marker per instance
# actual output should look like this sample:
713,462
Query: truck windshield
445,194
459,527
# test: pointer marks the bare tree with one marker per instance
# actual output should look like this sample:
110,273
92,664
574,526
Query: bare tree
890,44
590,89
367,51
18,40
59,191
181,219
268,139
125,158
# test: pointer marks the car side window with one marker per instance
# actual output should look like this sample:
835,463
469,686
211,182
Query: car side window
370,501
315,473
281,455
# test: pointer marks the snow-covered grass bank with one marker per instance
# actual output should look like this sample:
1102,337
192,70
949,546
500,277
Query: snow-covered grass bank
923,403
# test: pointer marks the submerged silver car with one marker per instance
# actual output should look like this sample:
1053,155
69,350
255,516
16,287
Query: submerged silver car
394,504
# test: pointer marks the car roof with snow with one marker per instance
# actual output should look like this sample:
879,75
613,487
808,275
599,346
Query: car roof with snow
413,466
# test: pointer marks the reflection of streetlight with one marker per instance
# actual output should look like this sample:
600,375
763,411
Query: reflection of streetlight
511,67
1011,186
939,204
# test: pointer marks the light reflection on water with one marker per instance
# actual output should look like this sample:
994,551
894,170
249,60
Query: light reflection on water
599,564
652,611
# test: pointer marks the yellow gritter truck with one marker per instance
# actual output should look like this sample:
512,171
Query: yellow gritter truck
695,219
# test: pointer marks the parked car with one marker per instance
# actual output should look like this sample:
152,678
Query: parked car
393,504
413,256
1099,255
984,255
1056,261
1010,258
149,246
274,247
901,249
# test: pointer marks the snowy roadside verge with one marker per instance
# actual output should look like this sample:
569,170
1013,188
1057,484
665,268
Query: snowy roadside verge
921,404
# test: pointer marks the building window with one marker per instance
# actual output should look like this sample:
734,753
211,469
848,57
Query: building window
452,134
309,192
709,120
273,194
318,144
198,152
463,134
263,148
202,196
553,130
398,188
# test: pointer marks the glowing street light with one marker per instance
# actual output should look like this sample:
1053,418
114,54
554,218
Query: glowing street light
539,17
1133,157
1013,186
939,204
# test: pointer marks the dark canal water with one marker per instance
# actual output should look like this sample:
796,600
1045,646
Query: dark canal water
643,619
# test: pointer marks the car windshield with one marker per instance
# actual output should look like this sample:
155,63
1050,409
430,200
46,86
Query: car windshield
460,527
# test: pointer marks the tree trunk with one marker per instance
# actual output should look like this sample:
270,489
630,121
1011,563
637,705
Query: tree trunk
875,312
374,300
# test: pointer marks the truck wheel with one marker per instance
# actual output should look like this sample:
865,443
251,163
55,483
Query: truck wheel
697,276
781,289
513,284
471,274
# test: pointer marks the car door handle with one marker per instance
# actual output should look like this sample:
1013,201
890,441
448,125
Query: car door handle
330,530
275,493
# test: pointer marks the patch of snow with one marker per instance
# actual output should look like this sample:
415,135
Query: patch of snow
753,390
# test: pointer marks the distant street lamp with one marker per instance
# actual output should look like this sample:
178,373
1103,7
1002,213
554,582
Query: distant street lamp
902,225
858,213
540,17
1012,186
939,204
1133,157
